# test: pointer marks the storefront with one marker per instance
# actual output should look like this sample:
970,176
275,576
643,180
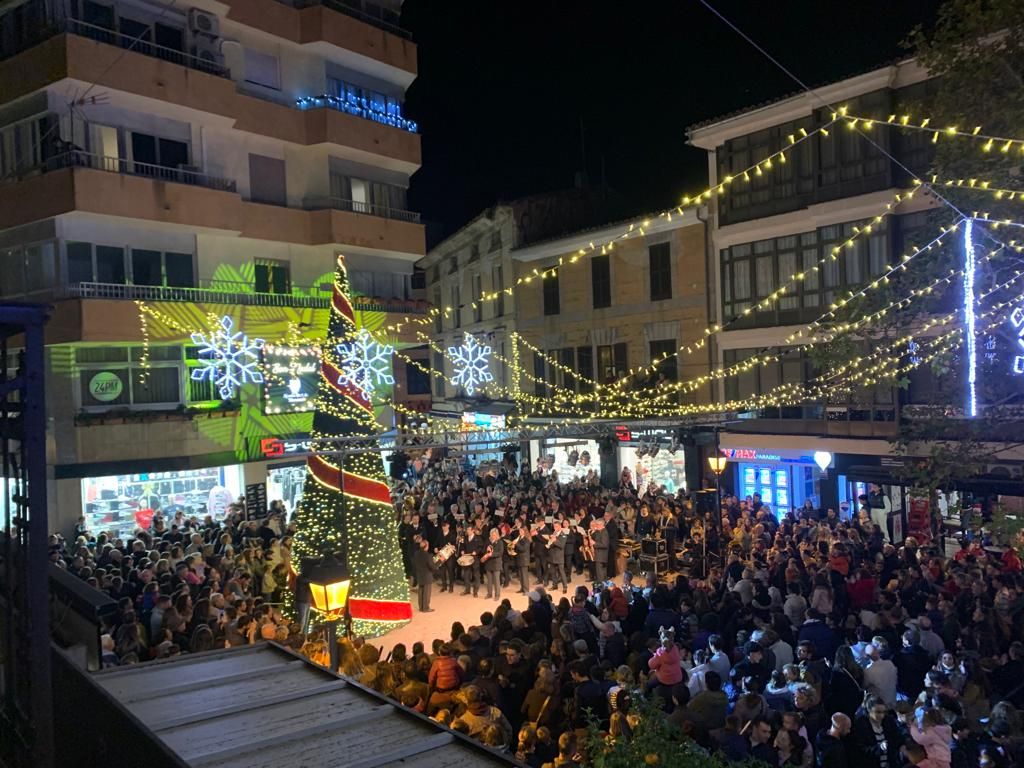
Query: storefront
784,479
664,469
285,482
571,459
122,503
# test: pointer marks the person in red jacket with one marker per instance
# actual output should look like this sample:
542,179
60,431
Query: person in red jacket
618,606
444,679
1011,562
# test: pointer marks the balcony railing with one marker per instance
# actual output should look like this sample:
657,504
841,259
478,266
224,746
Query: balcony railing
359,107
229,292
357,206
76,158
371,12
211,65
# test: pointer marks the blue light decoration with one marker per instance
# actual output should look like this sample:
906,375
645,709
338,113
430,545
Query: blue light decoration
914,348
228,358
1017,321
358,106
972,362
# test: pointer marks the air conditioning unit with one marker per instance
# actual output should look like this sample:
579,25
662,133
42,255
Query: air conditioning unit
207,49
201,22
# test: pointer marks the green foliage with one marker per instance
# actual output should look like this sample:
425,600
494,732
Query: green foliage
654,742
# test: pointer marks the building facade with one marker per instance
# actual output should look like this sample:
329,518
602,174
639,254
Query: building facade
171,172
780,229
594,319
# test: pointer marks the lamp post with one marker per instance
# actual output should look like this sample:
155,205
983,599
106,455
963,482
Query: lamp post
329,583
717,463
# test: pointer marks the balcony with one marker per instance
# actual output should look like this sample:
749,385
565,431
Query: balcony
110,37
375,14
234,293
180,175
358,206
360,108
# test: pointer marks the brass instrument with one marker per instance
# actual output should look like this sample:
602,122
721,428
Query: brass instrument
510,546
487,555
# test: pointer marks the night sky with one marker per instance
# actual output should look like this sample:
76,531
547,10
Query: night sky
504,86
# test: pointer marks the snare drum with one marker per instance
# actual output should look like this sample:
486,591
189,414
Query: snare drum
466,560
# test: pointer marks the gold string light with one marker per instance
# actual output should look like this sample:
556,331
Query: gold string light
991,143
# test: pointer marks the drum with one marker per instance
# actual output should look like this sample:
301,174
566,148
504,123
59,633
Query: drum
465,560
444,553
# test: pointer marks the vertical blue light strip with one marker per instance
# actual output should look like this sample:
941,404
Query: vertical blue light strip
972,364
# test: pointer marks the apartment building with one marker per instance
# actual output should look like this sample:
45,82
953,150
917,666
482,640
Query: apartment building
783,223
477,261
167,171
592,320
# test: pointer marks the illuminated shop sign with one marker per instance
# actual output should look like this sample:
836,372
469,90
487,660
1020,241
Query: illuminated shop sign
274,447
291,376
483,420
753,454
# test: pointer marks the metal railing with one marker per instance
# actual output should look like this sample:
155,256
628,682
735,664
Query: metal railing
371,12
358,206
103,35
76,158
228,292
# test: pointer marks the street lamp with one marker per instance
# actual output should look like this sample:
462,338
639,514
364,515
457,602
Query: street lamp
717,464
329,583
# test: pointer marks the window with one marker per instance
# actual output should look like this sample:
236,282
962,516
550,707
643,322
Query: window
438,372
267,180
438,310
152,154
115,376
612,362
417,380
21,145
668,366
456,294
27,269
601,281
498,285
163,269
585,368
272,277
753,271
110,264
567,361
660,256
539,376
377,198
478,305
262,69
551,295
365,98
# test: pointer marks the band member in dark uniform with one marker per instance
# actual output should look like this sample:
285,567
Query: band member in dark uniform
523,545
541,553
600,538
446,534
492,559
424,568
613,542
472,545
556,551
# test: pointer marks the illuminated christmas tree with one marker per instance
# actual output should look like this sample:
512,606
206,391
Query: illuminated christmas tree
346,504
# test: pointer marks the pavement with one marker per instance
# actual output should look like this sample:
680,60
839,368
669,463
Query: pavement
449,607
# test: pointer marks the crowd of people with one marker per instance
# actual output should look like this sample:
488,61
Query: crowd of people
801,639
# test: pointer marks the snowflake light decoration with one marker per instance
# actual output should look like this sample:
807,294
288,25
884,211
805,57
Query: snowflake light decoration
365,363
471,364
228,358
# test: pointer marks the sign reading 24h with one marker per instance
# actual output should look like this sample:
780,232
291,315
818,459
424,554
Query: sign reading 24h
1017,321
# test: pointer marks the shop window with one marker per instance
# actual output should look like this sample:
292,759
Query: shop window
129,376
122,503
